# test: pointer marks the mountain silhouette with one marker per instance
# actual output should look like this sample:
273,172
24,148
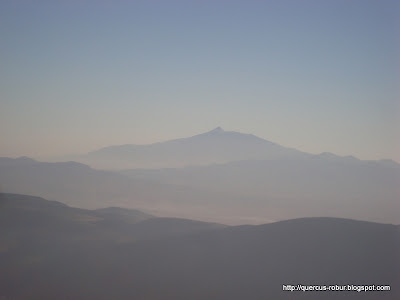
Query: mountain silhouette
215,146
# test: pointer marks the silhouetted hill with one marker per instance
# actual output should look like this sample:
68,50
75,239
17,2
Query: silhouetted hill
242,262
28,213
215,146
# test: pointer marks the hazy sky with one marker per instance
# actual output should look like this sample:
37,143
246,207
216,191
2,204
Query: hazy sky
314,75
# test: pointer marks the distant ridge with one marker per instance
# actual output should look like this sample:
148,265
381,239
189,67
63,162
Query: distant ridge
211,147
217,146
246,191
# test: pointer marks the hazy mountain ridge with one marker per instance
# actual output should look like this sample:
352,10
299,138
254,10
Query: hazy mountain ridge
247,191
284,183
240,262
81,186
315,185
215,146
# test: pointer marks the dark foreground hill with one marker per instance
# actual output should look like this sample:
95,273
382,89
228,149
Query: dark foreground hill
51,251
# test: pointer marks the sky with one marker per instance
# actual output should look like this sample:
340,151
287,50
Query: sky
319,76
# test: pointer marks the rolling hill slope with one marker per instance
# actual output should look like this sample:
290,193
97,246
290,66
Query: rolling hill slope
41,260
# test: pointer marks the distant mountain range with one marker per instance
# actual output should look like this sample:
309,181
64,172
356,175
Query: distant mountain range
51,251
230,177
250,191
317,185
81,186
215,146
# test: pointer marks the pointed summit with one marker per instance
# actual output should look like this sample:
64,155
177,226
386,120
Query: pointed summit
217,130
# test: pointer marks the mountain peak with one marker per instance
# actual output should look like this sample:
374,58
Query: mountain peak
217,130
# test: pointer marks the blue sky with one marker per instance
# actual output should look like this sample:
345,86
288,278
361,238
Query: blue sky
314,75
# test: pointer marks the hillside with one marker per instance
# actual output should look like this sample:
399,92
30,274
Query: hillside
54,257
